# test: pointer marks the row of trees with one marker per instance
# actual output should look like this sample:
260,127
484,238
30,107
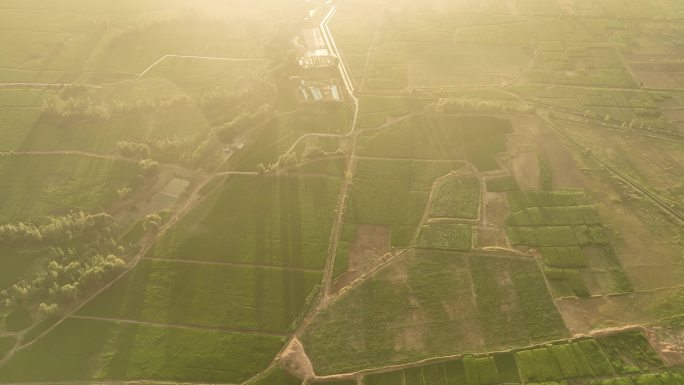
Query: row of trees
63,280
468,104
91,108
57,230
227,132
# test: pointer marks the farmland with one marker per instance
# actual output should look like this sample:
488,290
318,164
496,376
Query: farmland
581,358
33,186
567,230
124,351
452,295
259,221
349,192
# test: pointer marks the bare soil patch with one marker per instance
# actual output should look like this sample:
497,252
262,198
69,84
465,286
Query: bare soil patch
295,360
669,342
490,237
371,242
523,158
564,171
496,209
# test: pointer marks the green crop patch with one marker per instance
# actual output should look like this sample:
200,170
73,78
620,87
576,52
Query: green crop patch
582,358
507,368
457,197
630,352
501,281
476,139
439,288
33,186
664,378
454,237
235,297
481,370
259,220
564,227
394,193
118,351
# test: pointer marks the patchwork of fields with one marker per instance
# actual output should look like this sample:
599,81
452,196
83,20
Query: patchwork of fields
482,192
431,303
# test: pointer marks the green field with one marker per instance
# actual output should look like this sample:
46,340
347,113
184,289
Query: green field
118,351
573,360
473,138
35,186
569,232
511,307
382,185
457,197
445,237
258,220
233,297
502,184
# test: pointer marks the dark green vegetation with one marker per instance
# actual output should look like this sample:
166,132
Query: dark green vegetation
569,232
465,303
629,352
457,197
124,351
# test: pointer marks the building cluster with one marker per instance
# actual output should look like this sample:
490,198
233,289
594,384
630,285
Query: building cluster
316,82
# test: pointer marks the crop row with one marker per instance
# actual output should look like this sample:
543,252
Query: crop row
520,200
664,378
455,237
575,359
555,216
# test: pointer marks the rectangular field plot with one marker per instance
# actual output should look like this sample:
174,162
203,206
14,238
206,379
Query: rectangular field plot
15,125
576,360
51,184
244,298
476,139
445,237
574,245
258,220
464,304
80,350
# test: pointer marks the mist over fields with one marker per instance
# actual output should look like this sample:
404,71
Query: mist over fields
342,192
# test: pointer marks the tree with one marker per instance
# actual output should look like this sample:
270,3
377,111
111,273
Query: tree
149,167
152,223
